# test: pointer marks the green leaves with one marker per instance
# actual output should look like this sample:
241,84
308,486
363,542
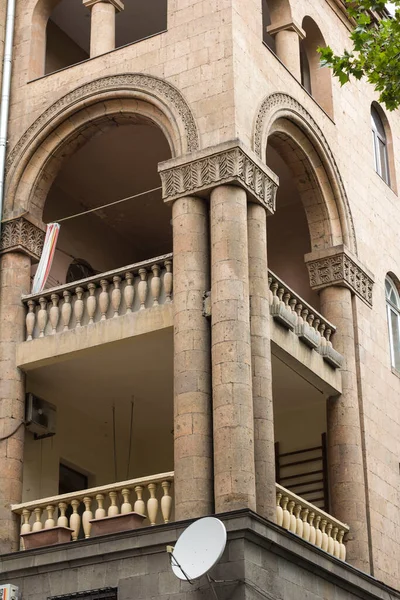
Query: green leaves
375,52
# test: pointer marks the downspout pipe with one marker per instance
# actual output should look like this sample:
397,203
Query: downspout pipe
5,96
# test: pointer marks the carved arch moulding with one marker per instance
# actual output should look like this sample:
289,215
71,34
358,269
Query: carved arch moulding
282,106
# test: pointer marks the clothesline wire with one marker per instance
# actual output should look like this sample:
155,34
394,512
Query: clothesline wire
86,212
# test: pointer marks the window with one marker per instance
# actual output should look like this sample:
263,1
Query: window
380,146
393,314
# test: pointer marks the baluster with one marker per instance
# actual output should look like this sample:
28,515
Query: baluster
50,522
299,522
322,332
292,526
91,302
26,526
54,312
42,316
166,501
274,290
78,307
104,299
37,526
152,504
336,545
139,506
142,288
310,321
100,510
281,291
75,518
155,284
116,295
325,542
313,533
328,334
306,525
30,320
316,327
300,321
279,509
331,543
62,520
304,314
113,509
292,304
126,506
87,516
318,532
342,554
129,292
66,309
168,281
286,513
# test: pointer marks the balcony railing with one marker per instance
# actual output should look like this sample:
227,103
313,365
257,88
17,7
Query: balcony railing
295,314
152,498
310,523
105,296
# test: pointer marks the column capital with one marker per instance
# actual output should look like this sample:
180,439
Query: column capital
198,173
117,4
286,26
338,266
20,235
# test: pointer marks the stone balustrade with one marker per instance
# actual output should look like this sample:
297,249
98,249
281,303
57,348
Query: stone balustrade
105,296
149,496
292,312
310,523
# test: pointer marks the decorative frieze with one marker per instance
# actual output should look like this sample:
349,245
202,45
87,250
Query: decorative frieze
228,163
20,235
337,267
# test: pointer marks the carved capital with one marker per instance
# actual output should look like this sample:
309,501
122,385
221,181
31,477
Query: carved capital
20,235
228,163
336,266
286,26
117,4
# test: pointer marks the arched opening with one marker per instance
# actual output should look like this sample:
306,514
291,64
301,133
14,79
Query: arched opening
382,144
315,79
274,13
393,318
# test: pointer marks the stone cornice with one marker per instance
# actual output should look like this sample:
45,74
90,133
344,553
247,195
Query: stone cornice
337,266
286,26
20,235
228,163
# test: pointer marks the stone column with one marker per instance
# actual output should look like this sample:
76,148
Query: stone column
287,44
102,27
261,362
14,281
234,470
192,362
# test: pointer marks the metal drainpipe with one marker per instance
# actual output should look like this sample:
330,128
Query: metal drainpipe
5,96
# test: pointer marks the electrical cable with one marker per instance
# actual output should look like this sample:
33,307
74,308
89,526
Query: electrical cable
6,437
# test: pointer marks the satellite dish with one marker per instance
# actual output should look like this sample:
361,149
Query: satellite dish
198,549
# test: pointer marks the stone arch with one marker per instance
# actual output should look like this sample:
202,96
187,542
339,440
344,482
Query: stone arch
35,160
283,117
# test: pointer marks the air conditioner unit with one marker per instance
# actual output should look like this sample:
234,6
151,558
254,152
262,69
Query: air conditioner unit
8,592
40,416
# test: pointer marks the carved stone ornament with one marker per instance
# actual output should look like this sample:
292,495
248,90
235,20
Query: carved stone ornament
337,267
20,235
228,163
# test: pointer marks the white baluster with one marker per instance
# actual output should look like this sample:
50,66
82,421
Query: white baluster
30,320
26,526
50,522
325,542
168,281
342,554
152,504
62,520
299,522
100,511
155,284
42,316
331,543
306,525
293,524
336,545
66,309
313,534
104,299
75,519
139,506
270,294
279,509
37,526
91,302
87,516
166,501
54,313
116,295
113,509
286,513
78,307
126,506
318,532
142,288
129,292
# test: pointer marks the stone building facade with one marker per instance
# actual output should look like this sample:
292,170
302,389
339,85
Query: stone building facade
220,329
